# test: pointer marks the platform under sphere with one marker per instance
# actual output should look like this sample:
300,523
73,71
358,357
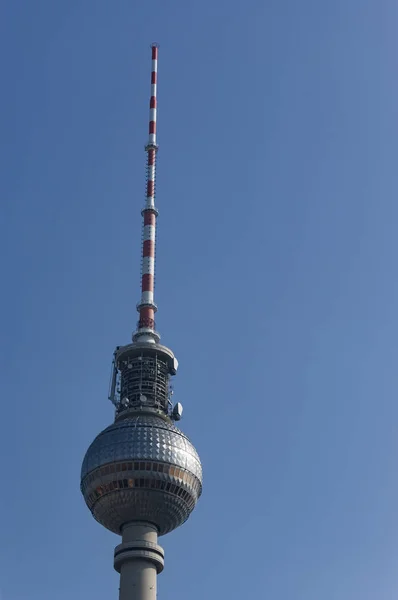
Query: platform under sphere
141,468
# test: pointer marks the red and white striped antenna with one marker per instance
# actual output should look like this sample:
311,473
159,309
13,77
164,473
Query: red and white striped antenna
146,329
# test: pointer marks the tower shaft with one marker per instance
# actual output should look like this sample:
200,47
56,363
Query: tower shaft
138,559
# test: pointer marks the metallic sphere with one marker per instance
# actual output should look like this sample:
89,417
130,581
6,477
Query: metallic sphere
141,468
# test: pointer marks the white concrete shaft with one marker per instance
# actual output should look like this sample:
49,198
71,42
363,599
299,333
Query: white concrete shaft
138,559
137,580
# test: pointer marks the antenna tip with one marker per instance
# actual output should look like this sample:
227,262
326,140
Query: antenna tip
154,47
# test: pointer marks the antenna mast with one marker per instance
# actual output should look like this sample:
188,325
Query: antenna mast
146,328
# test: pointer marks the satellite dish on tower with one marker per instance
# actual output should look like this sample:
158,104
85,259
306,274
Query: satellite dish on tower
176,413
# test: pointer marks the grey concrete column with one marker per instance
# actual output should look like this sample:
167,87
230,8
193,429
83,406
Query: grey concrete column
138,559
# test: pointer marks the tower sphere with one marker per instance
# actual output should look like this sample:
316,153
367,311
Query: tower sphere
141,468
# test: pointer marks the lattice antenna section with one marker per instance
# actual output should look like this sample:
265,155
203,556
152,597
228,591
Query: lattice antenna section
141,378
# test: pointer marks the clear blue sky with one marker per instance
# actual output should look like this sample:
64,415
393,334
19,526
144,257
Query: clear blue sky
276,282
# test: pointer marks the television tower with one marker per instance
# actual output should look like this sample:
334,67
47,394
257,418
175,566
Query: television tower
141,477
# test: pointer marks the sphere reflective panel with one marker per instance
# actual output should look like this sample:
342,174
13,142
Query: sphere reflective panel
141,468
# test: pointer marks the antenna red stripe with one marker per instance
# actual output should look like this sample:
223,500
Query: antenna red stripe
148,248
150,188
149,218
147,283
